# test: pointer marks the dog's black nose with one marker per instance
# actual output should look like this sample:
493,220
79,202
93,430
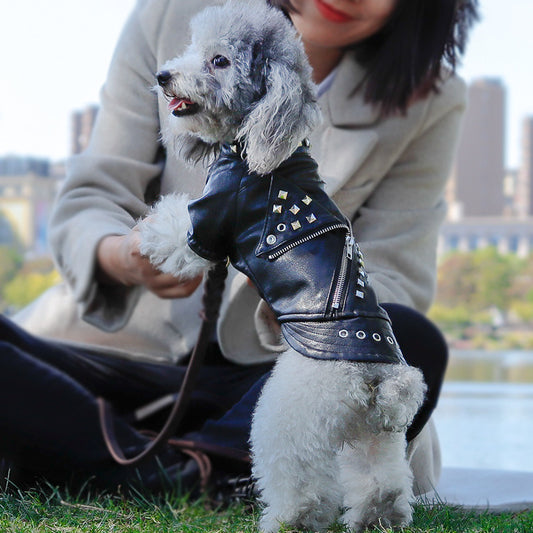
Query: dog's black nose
163,77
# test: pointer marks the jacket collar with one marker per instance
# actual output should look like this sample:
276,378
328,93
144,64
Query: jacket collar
237,148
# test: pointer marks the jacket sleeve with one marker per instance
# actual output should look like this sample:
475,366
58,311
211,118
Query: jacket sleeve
213,216
398,225
105,187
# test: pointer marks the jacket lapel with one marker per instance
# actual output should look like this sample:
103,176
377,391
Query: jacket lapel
346,137
343,152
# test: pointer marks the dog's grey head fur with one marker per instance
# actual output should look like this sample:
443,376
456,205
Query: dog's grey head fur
244,77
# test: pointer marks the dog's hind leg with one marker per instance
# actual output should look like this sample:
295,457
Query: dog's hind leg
294,458
307,499
377,481
375,472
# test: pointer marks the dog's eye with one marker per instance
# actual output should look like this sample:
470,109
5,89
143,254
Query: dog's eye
220,61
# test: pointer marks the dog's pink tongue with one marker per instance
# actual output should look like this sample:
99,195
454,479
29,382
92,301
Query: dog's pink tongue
176,103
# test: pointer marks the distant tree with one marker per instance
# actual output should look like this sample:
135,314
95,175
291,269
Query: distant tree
10,263
450,316
8,235
523,311
521,291
480,291
31,279
495,274
26,287
456,280
477,280
521,287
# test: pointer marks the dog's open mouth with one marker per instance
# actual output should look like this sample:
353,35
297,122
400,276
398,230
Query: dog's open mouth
181,107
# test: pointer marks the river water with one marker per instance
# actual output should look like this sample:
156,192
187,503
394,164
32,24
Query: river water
485,413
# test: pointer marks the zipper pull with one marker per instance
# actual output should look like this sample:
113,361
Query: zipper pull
350,243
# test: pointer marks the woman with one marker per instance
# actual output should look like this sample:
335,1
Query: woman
392,108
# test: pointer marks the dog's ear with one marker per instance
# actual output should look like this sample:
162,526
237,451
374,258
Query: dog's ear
285,114
259,69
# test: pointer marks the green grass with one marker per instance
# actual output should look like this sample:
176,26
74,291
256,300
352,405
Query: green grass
50,510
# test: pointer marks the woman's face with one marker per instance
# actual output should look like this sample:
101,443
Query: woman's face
340,23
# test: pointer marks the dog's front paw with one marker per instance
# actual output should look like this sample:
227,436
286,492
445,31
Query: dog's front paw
164,238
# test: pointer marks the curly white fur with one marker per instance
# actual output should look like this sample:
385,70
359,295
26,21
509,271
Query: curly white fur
328,435
164,238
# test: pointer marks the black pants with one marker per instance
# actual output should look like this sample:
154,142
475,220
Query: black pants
48,416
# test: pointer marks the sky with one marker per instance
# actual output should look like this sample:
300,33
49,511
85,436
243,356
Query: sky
55,55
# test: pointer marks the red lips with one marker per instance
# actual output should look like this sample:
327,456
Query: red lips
331,13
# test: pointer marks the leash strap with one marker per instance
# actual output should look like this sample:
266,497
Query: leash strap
212,298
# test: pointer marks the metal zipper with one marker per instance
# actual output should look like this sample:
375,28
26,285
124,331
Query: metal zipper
307,238
347,256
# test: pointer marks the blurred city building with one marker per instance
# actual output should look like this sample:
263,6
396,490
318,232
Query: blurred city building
476,183
489,205
28,187
82,123
510,186
12,165
523,193
508,235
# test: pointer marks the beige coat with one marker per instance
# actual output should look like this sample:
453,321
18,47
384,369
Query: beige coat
388,175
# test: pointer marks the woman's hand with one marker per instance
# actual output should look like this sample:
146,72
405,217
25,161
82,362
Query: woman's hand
120,261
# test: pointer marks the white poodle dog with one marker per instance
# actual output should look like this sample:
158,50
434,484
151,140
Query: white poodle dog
328,432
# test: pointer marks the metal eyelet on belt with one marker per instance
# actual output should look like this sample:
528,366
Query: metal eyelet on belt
343,333
376,337
361,335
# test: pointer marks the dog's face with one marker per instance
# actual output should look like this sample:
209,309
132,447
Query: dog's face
212,86
243,77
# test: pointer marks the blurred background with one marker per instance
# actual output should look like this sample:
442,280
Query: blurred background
55,56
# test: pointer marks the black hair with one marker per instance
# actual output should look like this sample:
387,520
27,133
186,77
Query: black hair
406,57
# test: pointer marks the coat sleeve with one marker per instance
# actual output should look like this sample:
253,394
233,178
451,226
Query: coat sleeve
398,225
105,186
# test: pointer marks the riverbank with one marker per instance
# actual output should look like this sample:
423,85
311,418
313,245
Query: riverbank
478,365
484,337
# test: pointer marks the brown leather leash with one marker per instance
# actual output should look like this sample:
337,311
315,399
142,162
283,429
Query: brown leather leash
212,297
